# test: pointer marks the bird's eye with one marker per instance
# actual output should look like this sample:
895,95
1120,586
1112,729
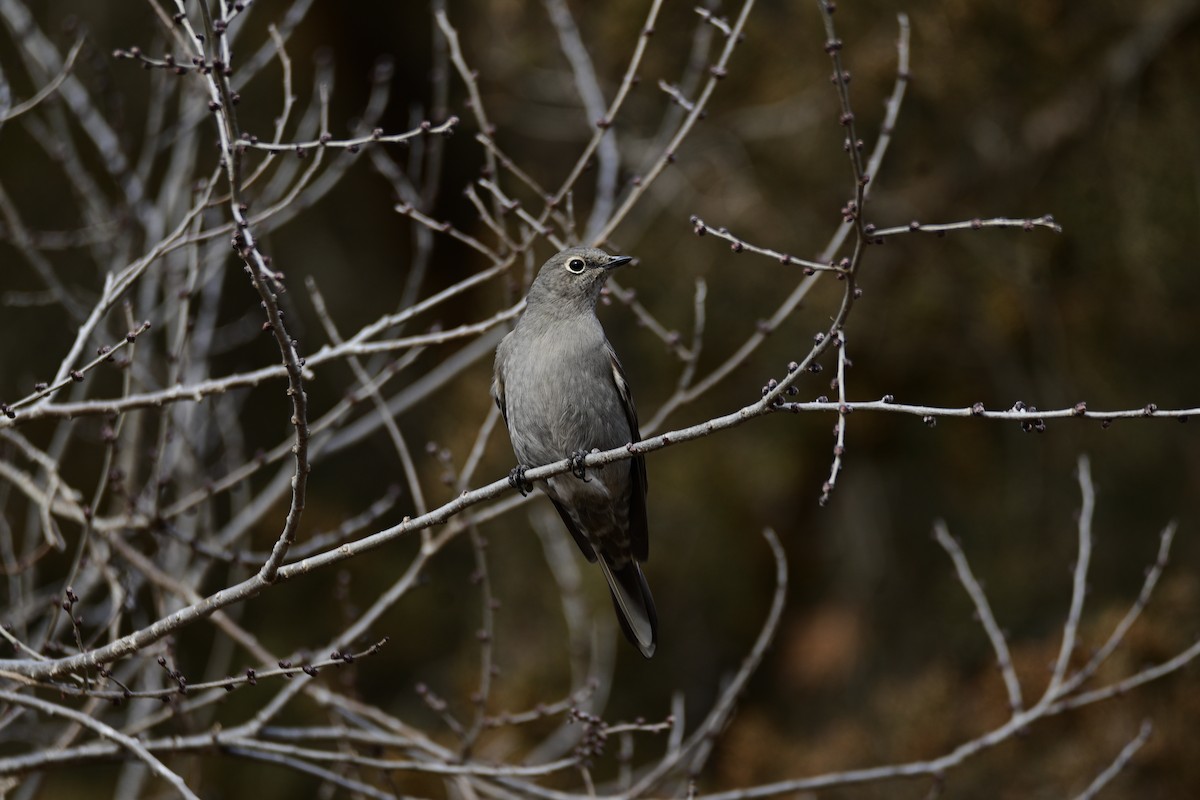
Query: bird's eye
575,265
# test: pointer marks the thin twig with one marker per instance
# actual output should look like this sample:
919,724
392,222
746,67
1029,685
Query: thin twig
325,141
1131,616
127,742
701,228
588,86
716,719
1044,221
984,610
360,373
1079,581
793,300
1119,763
839,445
47,90
643,182
698,321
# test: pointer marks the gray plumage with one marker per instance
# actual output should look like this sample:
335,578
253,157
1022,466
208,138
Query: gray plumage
562,392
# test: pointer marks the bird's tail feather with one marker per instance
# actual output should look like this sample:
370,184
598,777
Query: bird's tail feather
633,603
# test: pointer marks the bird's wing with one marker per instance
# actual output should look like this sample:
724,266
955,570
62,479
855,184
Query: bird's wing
498,395
639,535
581,541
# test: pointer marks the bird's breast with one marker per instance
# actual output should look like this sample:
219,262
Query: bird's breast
561,396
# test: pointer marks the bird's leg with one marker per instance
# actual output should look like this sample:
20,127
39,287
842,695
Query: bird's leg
578,468
516,479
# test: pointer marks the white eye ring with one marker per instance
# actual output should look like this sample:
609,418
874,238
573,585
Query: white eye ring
575,265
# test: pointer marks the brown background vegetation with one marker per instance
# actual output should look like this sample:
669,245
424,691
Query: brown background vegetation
1088,111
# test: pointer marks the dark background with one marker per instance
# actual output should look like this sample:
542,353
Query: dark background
1086,111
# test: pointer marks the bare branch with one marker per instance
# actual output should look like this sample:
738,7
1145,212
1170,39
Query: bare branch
1045,221
1123,758
47,90
996,636
127,742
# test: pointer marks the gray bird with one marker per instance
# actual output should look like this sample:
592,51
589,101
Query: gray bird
562,392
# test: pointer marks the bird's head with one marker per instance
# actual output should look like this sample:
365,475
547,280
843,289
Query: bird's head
574,276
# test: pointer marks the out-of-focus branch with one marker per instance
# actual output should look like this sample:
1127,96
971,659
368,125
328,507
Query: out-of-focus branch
47,90
1119,763
1079,581
693,752
588,85
642,182
389,423
1056,699
127,742
988,620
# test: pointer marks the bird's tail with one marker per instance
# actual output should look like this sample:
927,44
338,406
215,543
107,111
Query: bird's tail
633,603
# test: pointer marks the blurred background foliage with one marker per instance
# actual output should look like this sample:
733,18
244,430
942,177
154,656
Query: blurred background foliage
1088,111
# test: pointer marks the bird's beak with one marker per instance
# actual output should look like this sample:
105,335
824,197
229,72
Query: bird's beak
617,261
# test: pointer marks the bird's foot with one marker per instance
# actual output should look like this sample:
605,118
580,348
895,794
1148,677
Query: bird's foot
517,480
578,468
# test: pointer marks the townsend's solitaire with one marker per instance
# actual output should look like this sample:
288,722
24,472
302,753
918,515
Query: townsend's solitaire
562,393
